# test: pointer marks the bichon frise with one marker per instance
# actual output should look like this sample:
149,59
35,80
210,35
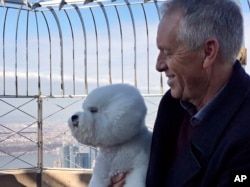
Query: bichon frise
113,119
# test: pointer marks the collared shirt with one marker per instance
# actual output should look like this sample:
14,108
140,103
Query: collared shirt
192,120
198,116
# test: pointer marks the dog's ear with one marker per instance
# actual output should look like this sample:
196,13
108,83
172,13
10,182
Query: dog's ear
129,120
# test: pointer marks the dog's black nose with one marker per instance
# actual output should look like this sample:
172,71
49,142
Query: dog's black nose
75,120
74,117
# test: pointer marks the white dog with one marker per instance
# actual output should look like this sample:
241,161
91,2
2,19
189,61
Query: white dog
113,119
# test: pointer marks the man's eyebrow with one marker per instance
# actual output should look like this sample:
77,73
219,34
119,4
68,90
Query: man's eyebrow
163,47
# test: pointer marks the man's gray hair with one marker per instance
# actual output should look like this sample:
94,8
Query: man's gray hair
202,19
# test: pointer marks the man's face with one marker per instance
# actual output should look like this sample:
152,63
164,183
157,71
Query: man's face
182,67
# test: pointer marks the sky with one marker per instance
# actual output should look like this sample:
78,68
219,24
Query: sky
96,33
116,40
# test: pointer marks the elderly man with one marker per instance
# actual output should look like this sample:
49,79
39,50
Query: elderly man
202,132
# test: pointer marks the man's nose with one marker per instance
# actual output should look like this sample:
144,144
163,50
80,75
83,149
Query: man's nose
160,65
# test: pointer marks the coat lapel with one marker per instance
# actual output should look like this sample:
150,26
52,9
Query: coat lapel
194,157
232,97
163,140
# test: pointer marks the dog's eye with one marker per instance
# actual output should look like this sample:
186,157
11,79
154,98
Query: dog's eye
93,109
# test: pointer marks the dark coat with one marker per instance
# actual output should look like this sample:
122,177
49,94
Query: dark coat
220,144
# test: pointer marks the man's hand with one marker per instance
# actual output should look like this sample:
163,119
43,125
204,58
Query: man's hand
118,180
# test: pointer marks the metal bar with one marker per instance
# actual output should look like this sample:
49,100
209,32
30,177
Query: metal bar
38,56
40,133
17,2
61,45
50,53
17,24
85,48
17,108
121,34
19,96
92,5
62,108
15,158
145,16
73,52
161,77
40,102
71,96
17,132
4,65
133,24
109,39
97,46
27,54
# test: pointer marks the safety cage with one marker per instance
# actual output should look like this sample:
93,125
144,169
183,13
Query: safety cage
52,54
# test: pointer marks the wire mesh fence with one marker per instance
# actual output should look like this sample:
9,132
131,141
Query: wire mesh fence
52,55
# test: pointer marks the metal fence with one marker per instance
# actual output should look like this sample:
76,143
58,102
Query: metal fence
52,55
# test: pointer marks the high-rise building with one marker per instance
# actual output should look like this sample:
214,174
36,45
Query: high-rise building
83,160
65,153
77,156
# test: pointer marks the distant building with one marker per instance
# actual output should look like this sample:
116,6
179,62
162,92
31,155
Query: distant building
83,160
77,156
93,154
65,152
58,163
73,151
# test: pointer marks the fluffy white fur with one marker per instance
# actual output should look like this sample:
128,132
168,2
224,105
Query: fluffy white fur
113,119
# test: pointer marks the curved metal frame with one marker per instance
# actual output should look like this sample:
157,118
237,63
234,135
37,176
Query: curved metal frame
43,14
4,24
85,48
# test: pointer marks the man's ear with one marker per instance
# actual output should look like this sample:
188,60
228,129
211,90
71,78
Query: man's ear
211,49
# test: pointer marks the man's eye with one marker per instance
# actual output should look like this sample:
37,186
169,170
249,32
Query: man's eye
166,52
93,109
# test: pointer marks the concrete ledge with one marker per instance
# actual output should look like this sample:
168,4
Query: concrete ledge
18,178
64,177
47,178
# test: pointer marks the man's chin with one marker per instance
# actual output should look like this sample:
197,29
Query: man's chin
175,94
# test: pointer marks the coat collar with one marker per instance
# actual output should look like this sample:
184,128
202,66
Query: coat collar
232,97
208,133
